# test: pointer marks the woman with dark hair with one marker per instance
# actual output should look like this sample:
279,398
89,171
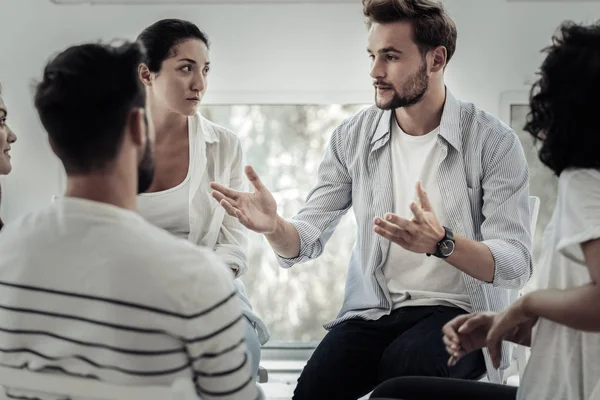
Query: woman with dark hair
190,152
7,137
565,345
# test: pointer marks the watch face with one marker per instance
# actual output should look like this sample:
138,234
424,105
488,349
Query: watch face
446,247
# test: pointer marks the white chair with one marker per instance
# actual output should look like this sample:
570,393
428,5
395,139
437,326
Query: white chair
520,354
263,375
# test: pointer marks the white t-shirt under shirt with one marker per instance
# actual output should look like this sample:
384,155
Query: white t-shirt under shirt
168,209
415,279
90,289
564,362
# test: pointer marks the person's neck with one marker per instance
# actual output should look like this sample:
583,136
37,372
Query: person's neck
423,117
168,125
104,187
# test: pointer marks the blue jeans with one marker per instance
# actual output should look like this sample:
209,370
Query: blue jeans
357,355
253,345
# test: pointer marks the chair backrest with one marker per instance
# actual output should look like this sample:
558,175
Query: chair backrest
84,388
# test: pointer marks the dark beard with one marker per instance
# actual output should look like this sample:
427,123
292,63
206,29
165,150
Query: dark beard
416,89
146,166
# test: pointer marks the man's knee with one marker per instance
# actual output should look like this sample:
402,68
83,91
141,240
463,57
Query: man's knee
343,366
408,359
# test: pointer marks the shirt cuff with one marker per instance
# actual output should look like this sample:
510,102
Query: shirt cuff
310,246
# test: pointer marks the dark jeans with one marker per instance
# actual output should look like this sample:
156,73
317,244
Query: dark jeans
357,355
426,388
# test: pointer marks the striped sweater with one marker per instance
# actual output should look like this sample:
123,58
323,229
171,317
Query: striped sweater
92,290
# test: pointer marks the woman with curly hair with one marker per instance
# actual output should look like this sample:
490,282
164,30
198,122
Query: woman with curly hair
565,344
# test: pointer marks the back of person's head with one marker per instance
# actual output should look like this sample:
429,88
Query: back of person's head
432,26
160,38
85,100
564,101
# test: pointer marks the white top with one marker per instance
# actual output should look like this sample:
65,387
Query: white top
564,362
215,155
168,209
415,279
91,289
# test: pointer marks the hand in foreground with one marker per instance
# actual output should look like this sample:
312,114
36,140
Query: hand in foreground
470,332
466,333
515,325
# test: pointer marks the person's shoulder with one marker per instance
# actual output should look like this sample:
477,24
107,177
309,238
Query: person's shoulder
369,114
224,135
34,223
162,246
194,277
580,174
580,183
356,129
484,121
485,134
181,266
191,276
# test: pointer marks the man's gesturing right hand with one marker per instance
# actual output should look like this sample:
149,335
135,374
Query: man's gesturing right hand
256,211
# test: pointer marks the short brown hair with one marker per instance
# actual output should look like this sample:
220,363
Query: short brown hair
432,26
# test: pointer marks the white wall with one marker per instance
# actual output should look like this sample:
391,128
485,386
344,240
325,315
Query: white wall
262,52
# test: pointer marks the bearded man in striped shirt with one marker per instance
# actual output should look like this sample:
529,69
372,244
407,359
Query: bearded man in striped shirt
440,193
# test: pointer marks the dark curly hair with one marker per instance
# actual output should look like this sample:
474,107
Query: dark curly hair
565,100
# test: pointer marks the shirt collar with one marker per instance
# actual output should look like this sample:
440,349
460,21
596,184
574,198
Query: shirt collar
449,125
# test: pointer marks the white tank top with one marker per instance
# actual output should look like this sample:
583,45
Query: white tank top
168,209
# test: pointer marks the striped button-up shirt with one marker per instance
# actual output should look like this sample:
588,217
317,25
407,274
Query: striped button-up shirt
483,178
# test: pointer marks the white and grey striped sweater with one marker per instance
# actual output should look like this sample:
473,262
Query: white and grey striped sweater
92,290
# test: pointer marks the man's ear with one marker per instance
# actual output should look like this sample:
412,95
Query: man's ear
136,127
440,55
144,74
